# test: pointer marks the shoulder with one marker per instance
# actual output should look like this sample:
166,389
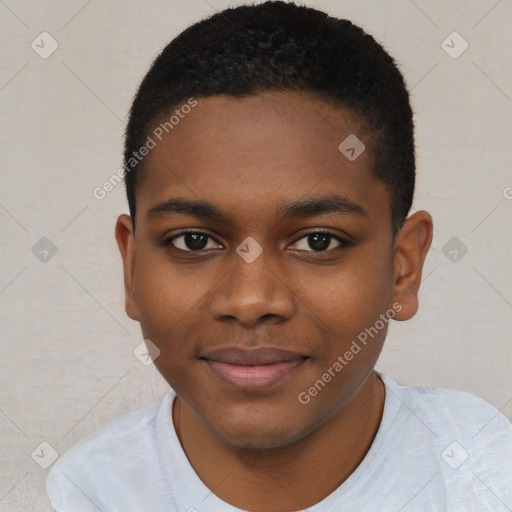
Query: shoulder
453,410
460,440
105,460
463,438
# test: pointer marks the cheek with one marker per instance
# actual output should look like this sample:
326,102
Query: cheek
349,297
347,304
168,298
165,287
168,302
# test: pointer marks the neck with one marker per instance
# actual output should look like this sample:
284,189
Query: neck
288,478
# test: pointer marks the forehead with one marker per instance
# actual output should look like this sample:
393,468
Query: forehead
259,152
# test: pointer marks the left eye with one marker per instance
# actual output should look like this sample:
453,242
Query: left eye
319,241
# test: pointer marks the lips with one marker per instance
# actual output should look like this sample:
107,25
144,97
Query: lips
253,369
255,357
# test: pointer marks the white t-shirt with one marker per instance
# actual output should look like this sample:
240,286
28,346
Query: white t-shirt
435,450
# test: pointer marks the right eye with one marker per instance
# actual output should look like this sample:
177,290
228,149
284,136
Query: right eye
190,241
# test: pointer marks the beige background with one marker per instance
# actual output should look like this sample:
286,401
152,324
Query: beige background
67,364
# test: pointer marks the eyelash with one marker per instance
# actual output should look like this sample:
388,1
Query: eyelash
344,243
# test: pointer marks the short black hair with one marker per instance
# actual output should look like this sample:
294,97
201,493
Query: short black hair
279,46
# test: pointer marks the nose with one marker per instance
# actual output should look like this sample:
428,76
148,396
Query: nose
252,293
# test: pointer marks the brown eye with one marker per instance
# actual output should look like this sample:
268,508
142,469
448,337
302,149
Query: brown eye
319,241
191,241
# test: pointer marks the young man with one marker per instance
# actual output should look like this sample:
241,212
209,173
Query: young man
269,170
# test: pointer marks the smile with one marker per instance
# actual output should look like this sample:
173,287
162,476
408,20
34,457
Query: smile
253,370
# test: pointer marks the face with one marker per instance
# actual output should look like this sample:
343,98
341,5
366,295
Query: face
261,252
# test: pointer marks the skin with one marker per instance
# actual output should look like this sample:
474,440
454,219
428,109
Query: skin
264,450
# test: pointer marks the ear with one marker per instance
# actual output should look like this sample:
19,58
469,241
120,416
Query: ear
411,246
126,243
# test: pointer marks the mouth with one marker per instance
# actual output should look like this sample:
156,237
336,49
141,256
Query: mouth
251,370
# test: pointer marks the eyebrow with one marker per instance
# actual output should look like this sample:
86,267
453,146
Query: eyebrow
303,208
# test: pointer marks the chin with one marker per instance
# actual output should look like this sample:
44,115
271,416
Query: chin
260,435
257,441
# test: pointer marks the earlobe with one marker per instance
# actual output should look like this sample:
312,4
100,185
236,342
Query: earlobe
126,243
411,247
